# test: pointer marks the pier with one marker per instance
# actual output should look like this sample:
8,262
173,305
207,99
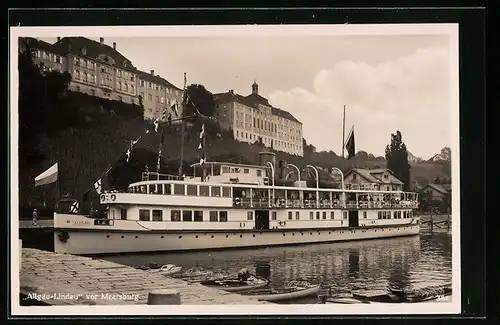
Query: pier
47,278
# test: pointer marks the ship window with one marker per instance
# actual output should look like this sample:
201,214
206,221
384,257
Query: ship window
399,214
290,215
317,215
179,189
167,189
187,215
123,214
213,216
311,215
157,215
395,214
345,214
259,173
204,190
246,171
273,215
332,215
225,170
215,191
198,216
151,188
223,216
250,215
175,215
226,192
144,215
380,214
297,215
364,215
324,214
192,190
410,214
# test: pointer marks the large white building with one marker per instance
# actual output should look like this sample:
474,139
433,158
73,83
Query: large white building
252,117
100,70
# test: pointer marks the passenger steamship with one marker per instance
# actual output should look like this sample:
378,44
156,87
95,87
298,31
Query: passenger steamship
227,205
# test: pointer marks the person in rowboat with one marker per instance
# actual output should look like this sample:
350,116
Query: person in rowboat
243,274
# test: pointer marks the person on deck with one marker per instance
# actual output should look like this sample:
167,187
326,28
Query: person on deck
35,217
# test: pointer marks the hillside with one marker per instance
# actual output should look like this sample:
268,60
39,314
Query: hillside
84,153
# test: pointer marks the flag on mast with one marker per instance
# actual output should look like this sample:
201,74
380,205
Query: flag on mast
47,177
350,145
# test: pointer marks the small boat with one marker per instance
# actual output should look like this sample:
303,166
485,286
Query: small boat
235,285
345,300
283,294
150,266
167,269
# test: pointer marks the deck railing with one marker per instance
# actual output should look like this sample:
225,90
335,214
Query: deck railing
324,204
154,176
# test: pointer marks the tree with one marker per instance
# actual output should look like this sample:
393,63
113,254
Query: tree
141,106
308,147
396,155
197,98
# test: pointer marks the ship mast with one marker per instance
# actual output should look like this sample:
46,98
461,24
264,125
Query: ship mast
182,127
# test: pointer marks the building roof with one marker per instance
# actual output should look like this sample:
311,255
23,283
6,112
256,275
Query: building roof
40,45
437,187
363,173
157,79
371,175
253,100
93,50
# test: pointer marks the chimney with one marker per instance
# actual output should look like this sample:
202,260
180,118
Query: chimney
114,45
101,40
231,91
58,39
152,72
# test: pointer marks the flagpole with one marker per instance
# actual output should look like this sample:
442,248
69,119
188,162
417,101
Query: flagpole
343,133
182,128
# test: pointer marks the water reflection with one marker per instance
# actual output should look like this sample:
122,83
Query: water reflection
374,264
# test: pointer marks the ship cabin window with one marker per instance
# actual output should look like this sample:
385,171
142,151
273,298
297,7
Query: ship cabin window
399,214
143,215
192,190
198,216
225,169
345,214
216,170
311,215
250,215
259,172
187,215
317,215
410,214
123,214
167,189
178,189
332,215
157,215
290,215
246,171
143,189
216,191
273,215
324,215
380,214
151,189
395,214
226,192
214,216
223,216
175,215
204,190
365,215
297,215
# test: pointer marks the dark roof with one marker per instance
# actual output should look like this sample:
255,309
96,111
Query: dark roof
369,175
252,100
155,79
93,50
363,173
40,45
438,187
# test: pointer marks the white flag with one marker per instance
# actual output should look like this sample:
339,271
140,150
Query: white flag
98,186
47,177
74,207
156,122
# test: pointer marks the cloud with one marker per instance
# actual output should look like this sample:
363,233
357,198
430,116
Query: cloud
410,94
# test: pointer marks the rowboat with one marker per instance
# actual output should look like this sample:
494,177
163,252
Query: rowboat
235,285
167,269
283,294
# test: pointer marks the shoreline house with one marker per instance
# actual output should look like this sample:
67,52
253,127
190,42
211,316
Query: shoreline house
436,194
372,179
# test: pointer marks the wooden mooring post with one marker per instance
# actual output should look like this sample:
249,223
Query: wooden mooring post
164,297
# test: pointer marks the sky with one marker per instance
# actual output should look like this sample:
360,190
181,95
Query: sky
387,82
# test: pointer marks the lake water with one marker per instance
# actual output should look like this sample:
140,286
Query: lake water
404,262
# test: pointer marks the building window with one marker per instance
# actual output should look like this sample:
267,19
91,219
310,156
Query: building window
223,216
198,216
187,215
175,215
150,97
142,83
157,99
162,100
144,215
214,216
142,95
157,215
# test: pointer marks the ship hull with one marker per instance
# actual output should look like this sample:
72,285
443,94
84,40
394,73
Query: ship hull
114,241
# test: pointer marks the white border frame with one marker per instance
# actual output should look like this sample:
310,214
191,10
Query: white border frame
453,307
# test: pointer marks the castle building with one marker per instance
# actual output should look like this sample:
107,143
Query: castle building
252,117
100,70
